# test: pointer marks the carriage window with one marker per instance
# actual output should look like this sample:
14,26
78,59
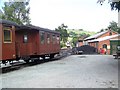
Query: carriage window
53,39
42,35
25,38
7,34
58,39
48,38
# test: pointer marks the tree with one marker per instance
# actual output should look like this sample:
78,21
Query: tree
76,37
72,34
63,32
113,26
16,11
115,4
84,35
101,30
74,40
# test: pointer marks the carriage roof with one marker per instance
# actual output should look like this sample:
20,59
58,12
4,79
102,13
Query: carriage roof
28,27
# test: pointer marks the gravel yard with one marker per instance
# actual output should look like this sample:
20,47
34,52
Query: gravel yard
75,71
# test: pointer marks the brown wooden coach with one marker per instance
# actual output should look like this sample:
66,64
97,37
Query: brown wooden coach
26,42
33,41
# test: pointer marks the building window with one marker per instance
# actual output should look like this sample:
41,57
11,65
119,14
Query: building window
42,36
48,38
25,38
7,34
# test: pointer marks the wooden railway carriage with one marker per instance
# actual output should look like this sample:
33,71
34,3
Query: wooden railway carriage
26,42
33,41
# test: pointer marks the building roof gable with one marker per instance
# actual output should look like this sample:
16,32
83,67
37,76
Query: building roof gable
96,35
105,38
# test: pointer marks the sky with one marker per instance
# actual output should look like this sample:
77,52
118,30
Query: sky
76,14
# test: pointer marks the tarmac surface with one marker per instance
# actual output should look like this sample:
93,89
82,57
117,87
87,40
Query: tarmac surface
75,71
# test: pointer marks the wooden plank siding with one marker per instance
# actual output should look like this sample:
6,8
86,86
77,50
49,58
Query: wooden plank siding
8,48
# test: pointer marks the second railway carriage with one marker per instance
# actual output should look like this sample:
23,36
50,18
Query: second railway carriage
26,42
33,41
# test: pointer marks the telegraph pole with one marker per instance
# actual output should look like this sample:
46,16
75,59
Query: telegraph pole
118,12
119,18
101,2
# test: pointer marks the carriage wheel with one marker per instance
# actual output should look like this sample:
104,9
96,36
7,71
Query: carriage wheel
26,59
51,56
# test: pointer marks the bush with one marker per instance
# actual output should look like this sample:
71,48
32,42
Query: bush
62,45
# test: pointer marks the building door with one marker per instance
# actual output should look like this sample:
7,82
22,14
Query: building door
105,48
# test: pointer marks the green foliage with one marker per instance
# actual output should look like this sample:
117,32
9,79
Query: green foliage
115,6
119,30
16,11
72,34
63,32
113,26
1,13
101,30
79,33
76,34
75,40
62,45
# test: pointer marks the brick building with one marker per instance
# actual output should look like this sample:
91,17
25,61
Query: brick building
102,40
80,42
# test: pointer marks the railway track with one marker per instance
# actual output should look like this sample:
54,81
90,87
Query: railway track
21,64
